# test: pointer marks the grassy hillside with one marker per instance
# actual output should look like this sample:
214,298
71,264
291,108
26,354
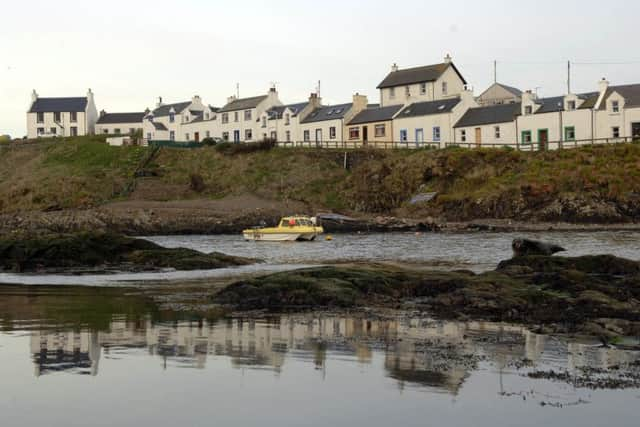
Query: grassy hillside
587,184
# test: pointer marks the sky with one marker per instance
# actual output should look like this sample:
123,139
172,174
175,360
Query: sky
129,52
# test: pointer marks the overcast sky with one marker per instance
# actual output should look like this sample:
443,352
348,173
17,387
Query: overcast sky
131,52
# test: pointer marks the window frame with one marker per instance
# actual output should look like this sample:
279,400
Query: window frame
392,93
354,133
378,127
528,133
404,135
306,135
528,110
40,118
571,105
225,118
568,129
423,88
614,130
248,135
437,134
463,135
73,117
248,115
615,106
445,88
497,132
57,116
333,134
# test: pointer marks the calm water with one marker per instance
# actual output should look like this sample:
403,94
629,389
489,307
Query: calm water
70,362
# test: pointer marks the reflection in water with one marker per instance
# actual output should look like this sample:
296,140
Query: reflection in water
417,352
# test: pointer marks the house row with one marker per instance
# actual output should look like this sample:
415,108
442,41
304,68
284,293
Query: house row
429,105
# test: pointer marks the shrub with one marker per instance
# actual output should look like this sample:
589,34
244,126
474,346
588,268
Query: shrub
245,148
209,141
5,139
197,183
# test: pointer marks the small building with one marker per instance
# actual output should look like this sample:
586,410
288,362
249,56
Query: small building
499,93
431,122
617,111
167,122
327,123
490,125
372,125
283,121
241,119
421,84
51,117
119,123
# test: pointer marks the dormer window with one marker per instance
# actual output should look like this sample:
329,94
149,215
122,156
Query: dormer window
407,91
287,119
186,118
392,92
172,117
445,88
528,110
40,119
571,105
615,106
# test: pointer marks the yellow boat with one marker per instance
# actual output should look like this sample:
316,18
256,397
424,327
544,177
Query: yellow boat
290,229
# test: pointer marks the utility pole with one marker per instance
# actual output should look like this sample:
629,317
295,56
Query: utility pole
318,88
568,77
238,90
495,71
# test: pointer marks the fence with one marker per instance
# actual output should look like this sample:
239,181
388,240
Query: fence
174,144
353,145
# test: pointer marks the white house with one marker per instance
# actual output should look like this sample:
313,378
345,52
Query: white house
421,84
242,120
119,123
168,121
283,122
432,122
327,123
617,111
491,125
499,93
50,117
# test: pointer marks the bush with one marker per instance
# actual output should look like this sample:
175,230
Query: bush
197,183
245,148
209,141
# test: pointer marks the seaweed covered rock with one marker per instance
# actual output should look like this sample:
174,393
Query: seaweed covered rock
94,250
526,247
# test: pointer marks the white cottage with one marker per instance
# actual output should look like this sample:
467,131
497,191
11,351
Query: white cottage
242,120
51,117
168,122
119,123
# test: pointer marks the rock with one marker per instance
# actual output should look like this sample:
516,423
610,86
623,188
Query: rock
525,247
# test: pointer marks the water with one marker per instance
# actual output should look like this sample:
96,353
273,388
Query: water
66,361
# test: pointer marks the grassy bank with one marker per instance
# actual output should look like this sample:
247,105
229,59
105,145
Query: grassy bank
591,184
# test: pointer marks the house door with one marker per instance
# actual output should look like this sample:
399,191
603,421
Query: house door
236,136
318,135
478,137
543,139
196,136
365,134
635,131
419,136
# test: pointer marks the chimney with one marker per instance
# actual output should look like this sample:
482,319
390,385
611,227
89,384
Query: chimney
90,96
159,103
102,113
196,99
231,99
603,87
448,59
467,97
360,103
34,96
394,68
315,101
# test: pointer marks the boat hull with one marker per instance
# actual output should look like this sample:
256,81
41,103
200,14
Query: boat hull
257,236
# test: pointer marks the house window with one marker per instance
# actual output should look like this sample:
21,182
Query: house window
236,117
117,131
392,92
207,134
497,133
74,117
274,135
407,91
40,118
526,137
186,137
615,132
73,131
105,131
445,88
225,136
528,110
380,131
306,135
247,115
56,117
332,132
570,133
248,135
132,131
172,135
423,88
225,118
354,133
186,118
149,136
53,131
264,122
571,105
615,106
287,135
403,135
172,117
436,134
463,135
40,131
287,119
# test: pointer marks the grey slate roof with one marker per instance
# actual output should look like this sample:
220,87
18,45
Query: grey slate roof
556,103
376,114
429,73
332,112
159,126
59,105
428,108
277,112
630,93
165,109
113,118
503,113
243,104
513,90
